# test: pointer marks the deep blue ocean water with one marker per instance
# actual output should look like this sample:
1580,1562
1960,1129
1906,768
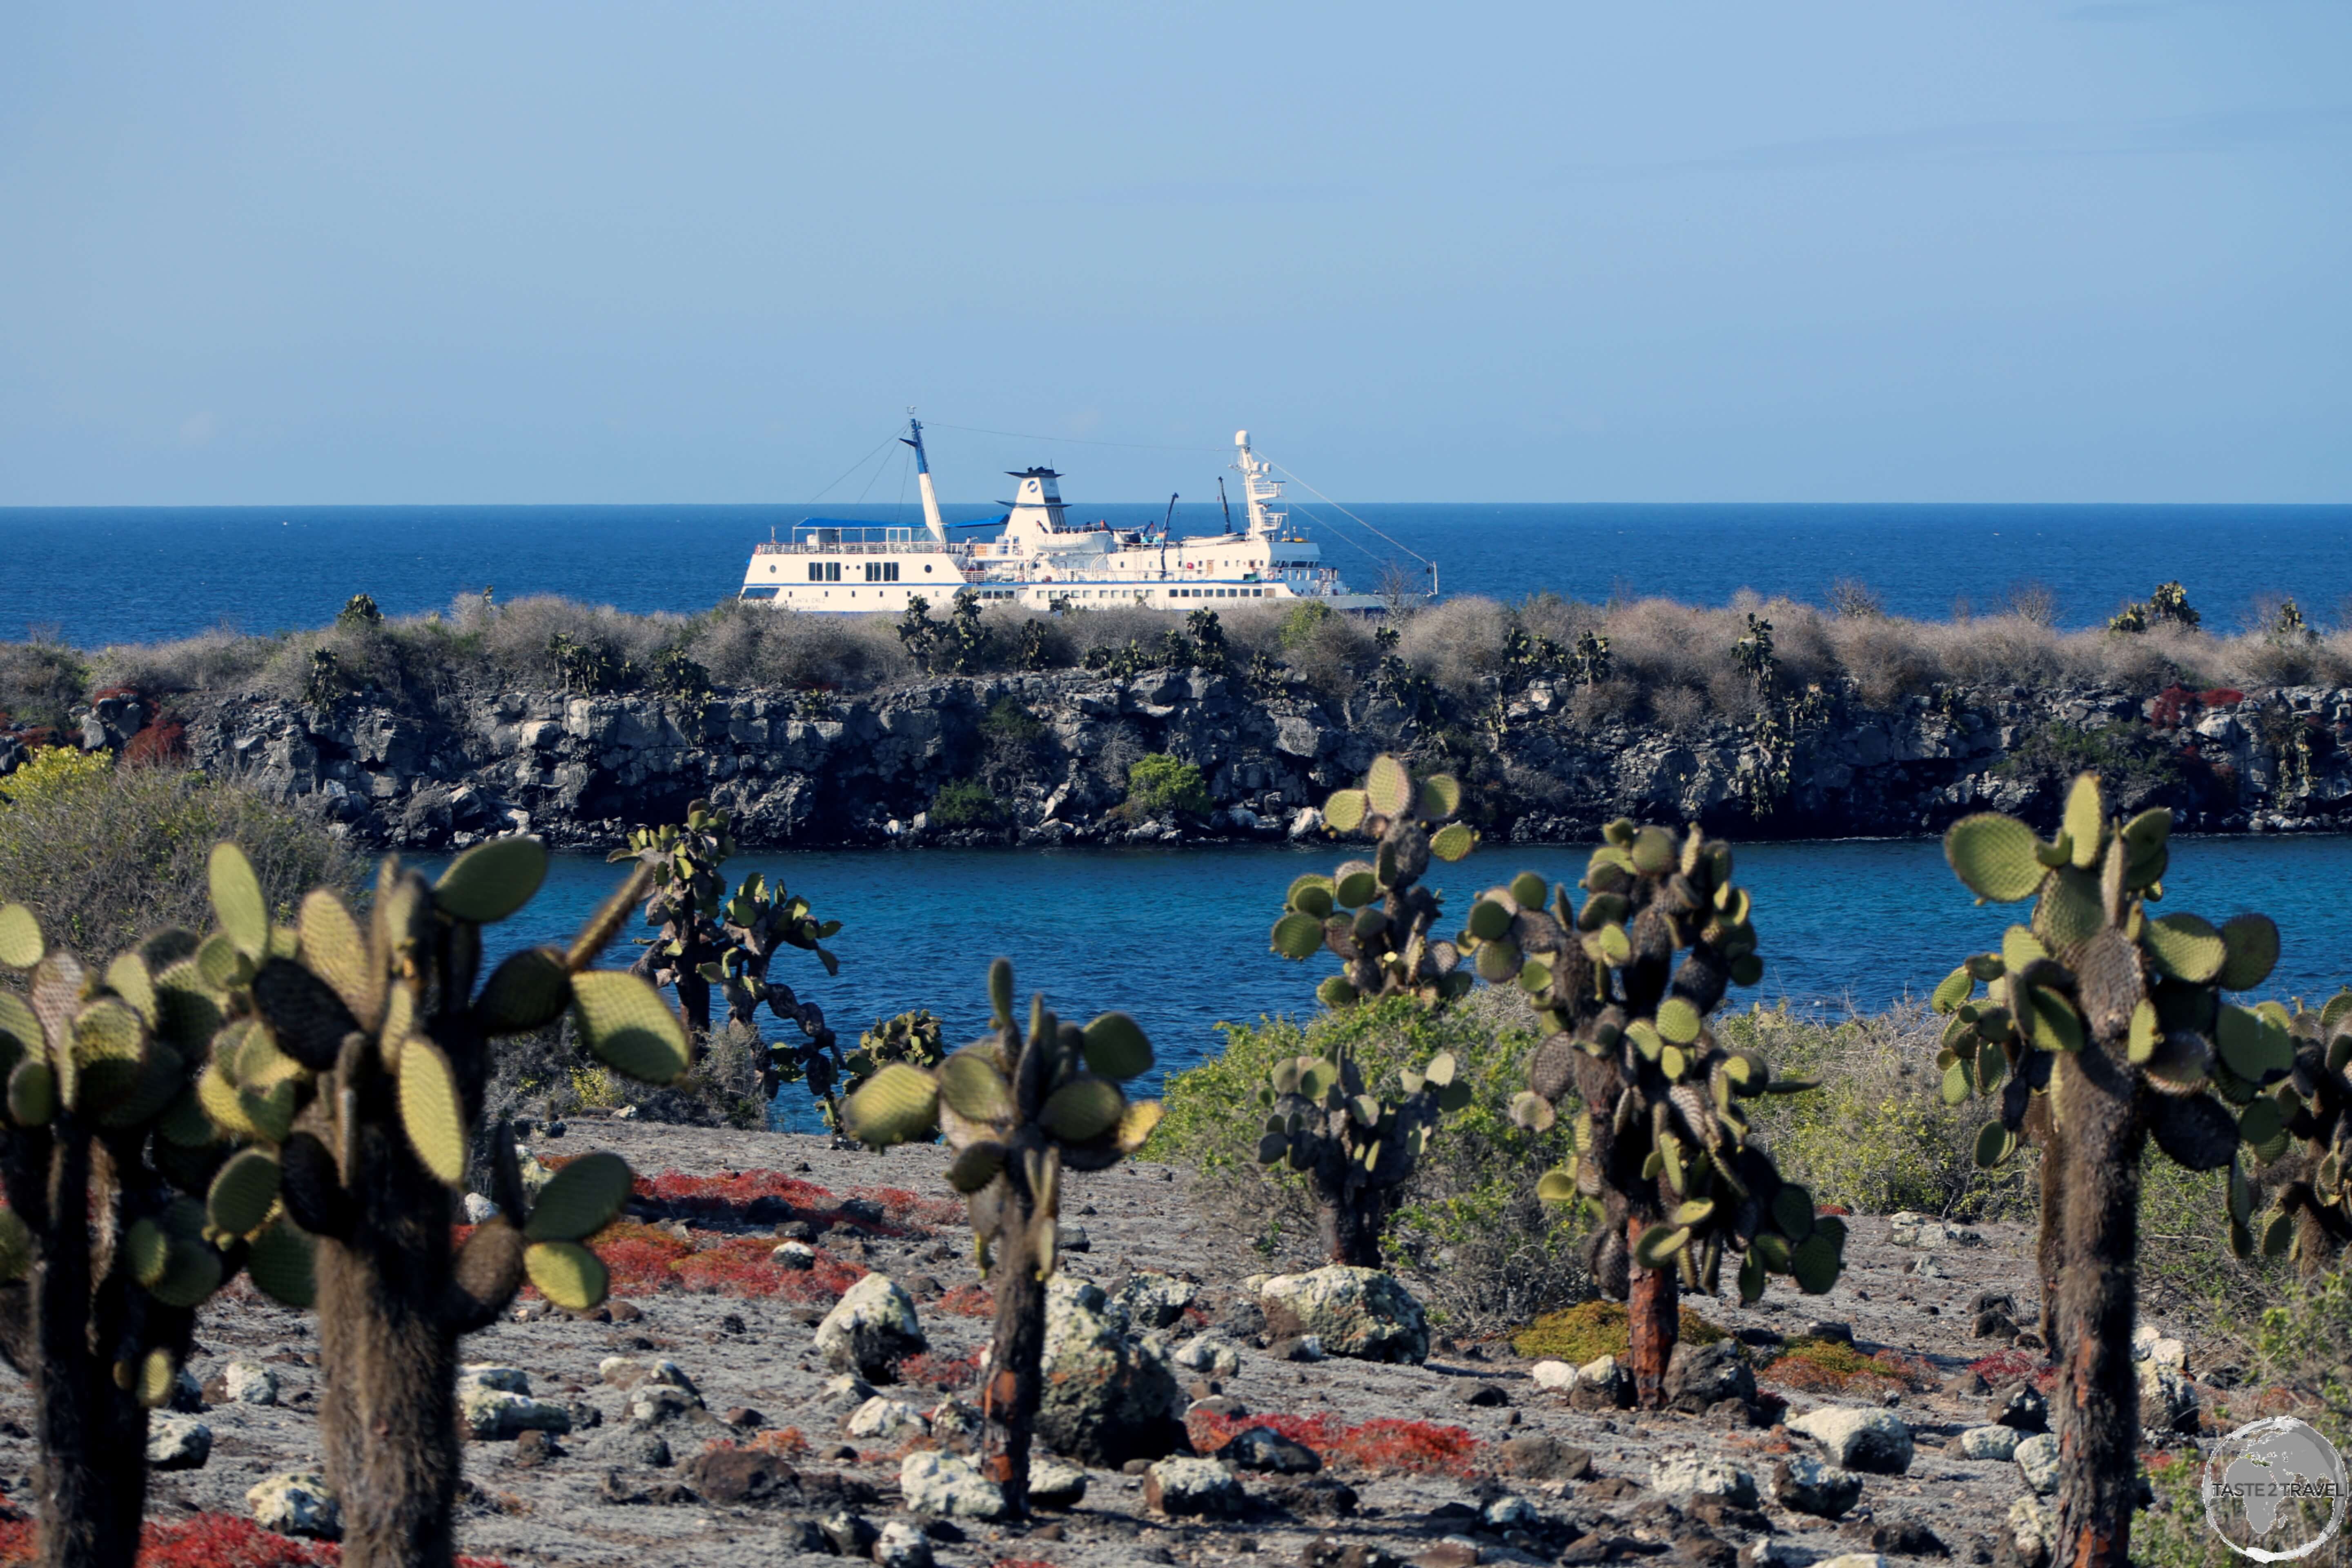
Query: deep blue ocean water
133,574
1177,937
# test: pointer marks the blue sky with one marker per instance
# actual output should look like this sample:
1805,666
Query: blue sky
1968,251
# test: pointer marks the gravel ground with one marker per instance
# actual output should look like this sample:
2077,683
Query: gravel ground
756,1354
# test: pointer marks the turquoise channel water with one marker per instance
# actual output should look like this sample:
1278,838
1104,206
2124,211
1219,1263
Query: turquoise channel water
1177,937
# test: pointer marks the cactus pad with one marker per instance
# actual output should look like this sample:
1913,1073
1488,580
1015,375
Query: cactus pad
244,1192
567,1274
1452,841
1082,1110
238,900
582,1199
897,1105
283,1262
493,880
16,1247
628,1025
527,991
1297,936
1116,1048
2252,946
1997,857
430,1110
192,1271
20,937
973,1088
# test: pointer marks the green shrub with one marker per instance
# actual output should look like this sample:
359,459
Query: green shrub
1876,1136
1011,723
104,856
1300,626
1587,1331
964,803
1477,1247
39,681
1158,784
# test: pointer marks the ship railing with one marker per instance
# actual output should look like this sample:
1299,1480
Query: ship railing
923,546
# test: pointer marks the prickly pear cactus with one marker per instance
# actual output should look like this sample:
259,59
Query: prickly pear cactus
1373,915
2102,1023
2308,1161
108,1244
1357,1148
1660,1134
348,1061
1017,1110
917,1038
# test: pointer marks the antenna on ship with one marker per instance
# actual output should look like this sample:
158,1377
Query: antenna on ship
1223,501
1165,524
931,518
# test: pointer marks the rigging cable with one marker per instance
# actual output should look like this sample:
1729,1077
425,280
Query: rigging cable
1068,440
1343,511
852,468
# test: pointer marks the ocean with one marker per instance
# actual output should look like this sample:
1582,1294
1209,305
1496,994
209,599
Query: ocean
97,575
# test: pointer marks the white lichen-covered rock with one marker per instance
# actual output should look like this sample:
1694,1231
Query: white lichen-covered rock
1854,1560
2168,1401
953,1421
1601,1383
495,1374
2037,1461
1357,1312
494,1415
298,1502
1184,1488
890,1421
178,1443
479,1210
1802,1484
797,1256
947,1486
1554,1376
1212,1352
1052,1484
249,1382
630,1371
1998,1444
839,1396
901,1545
1906,1227
1854,1438
870,1330
1108,1397
2152,1344
1510,1511
1685,1477
1151,1299
2032,1529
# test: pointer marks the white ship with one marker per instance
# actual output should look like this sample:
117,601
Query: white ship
1043,560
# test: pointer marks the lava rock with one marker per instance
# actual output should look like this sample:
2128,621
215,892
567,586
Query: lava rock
885,1421
901,1545
2037,1461
178,1443
1108,1398
296,1502
1184,1487
1054,1484
1802,1484
1537,1457
1357,1312
1687,1477
947,1486
738,1475
1995,1443
1700,1376
1262,1449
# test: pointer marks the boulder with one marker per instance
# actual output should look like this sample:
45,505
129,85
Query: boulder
1699,1377
1510,1511
901,1545
890,1422
1357,1312
1054,1484
1687,1478
730,1477
797,1256
1154,1301
1193,1488
2168,1401
1536,1456
1556,1375
507,1379
248,1383
2031,1531
630,1446
629,1371
1995,1443
658,1403
178,1443
495,1405
296,1502
1211,1352
1857,1438
947,1486
2037,1461
870,1330
1262,1449
1601,1384
1108,1398
954,1423
1802,1484
2020,1406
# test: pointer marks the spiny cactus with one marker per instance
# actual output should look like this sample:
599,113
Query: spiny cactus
350,1060
2103,1025
1017,1111
1373,915
1357,1148
2309,1159
1661,1140
359,610
106,1246
917,1038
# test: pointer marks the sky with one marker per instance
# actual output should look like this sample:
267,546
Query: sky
257,254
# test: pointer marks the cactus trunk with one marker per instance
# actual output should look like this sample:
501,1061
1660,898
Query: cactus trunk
93,1434
2049,1250
389,1422
1352,1226
2098,1390
1652,1321
1016,1356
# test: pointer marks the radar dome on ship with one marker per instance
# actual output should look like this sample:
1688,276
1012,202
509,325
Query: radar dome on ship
1241,437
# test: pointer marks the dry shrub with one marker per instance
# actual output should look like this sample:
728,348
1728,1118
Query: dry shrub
1657,642
1679,709
1887,659
1546,615
1994,650
39,681
1457,643
746,644
216,660
1332,657
1595,705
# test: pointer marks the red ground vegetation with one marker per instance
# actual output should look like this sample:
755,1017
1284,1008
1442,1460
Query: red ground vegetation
943,1372
967,1301
2004,1367
1418,1447
160,744
208,1541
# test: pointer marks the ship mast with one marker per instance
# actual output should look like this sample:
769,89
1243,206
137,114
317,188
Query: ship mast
1257,488
931,518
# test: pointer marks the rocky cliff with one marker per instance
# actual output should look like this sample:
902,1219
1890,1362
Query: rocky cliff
1044,759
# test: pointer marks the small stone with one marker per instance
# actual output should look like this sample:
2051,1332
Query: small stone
947,1486
535,1448
248,1383
886,1422
479,1210
178,1443
491,1374
630,1446
743,1419
1907,1538
732,1476
1854,1559
1297,1347
1995,1443
1262,1449
1858,1440
1155,1300
657,1404
1223,1404
626,1311
2037,1461
850,1533
870,1330
1317,1496
298,1502
793,1255
1994,1326
1689,1476
1054,1484
187,1394
2168,1401
1510,1512
1183,1488
1073,1238
1828,1329
1212,1352
901,1545
1556,1375
1483,1395
2031,1529
1601,1384
839,1396
1454,1552
1802,1484
1536,1456
496,1415
953,1421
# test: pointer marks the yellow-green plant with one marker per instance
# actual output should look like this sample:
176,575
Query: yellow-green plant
1660,1137
106,1246
2311,1156
1017,1111
2102,1024
349,1059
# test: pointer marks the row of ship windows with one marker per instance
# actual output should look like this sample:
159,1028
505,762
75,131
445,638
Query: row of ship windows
875,571
892,576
